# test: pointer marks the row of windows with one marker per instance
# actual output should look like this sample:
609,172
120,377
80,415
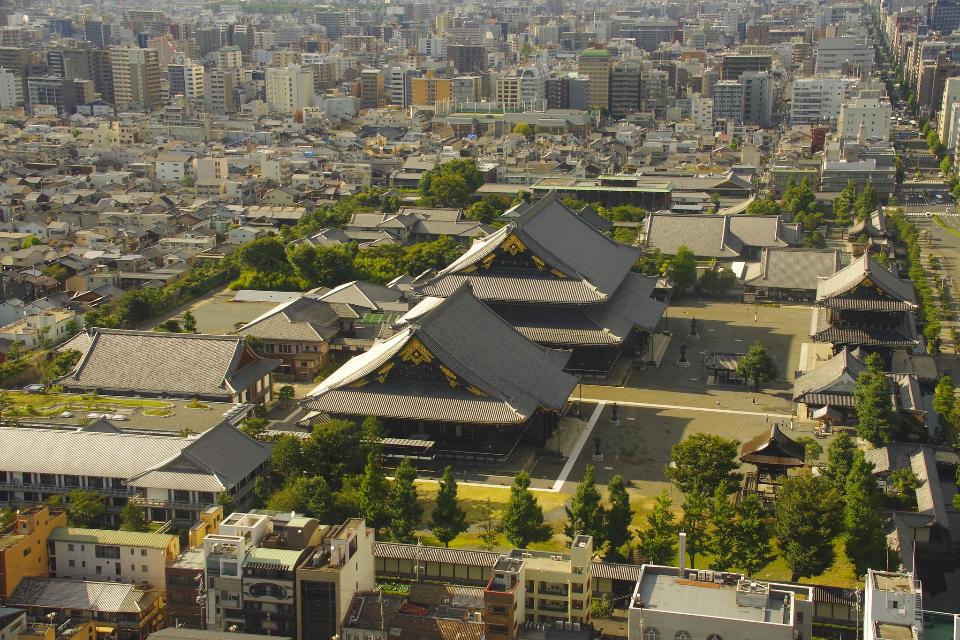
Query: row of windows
651,633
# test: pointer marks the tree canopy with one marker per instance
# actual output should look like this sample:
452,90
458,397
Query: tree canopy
521,520
585,515
871,397
807,511
658,541
405,510
703,462
450,184
863,518
757,366
682,269
448,519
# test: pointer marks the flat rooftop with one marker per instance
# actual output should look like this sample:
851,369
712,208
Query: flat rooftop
888,631
892,582
663,590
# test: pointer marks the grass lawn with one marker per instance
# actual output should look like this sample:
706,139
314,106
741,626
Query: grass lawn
50,404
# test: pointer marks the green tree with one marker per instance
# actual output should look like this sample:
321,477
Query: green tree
812,450
226,501
264,254
723,520
405,511
524,129
862,517
57,272
448,519
683,269
946,166
372,433
945,398
431,255
703,462
839,460
521,520
133,518
807,512
843,204
374,494
488,525
380,264
905,483
866,203
29,241
757,366
767,206
872,399
308,495
451,184
85,509
695,520
189,322
6,516
618,518
585,515
334,451
751,537
287,457
286,394
658,542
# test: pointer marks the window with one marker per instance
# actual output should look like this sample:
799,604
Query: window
26,552
285,348
682,635
70,547
103,551
143,552
132,552
651,633
72,563
143,568
800,617
99,570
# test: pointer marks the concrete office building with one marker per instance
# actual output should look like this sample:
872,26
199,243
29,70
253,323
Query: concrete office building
943,15
848,55
625,88
187,80
735,64
596,65
951,96
220,90
867,116
371,89
728,101
11,95
757,97
818,100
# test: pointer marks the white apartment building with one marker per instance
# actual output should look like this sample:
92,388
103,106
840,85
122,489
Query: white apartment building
523,88
892,606
289,88
870,114
230,58
173,167
193,81
946,125
112,556
819,99
701,112
849,55
432,46
136,78
11,89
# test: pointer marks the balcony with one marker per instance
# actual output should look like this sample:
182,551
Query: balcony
168,504
11,485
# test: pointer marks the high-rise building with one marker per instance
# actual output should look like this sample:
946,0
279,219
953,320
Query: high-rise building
220,90
289,88
625,88
467,58
333,20
817,100
429,90
596,64
728,101
757,97
241,36
56,91
735,64
210,39
10,89
401,77
943,15
187,80
371,89
230,58
136,78
848,55
97,33
951,96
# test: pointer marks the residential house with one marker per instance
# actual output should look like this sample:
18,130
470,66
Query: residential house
23,545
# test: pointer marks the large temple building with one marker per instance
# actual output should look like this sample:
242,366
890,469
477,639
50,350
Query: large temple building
454,381
562,283
865,305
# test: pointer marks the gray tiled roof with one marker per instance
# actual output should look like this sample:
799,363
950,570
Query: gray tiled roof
362,294
836,375
152,362
515,375
594,264
792,268
305,319
863,268
716,236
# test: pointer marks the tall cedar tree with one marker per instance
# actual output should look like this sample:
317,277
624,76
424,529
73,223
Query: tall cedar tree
871,397
521,520
619,517
723,519
696,511
702,462
683,269
751,539
863,517
839,460
374,492
448,519
658,542
807,512
489,527
133,518
585,515
405,511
